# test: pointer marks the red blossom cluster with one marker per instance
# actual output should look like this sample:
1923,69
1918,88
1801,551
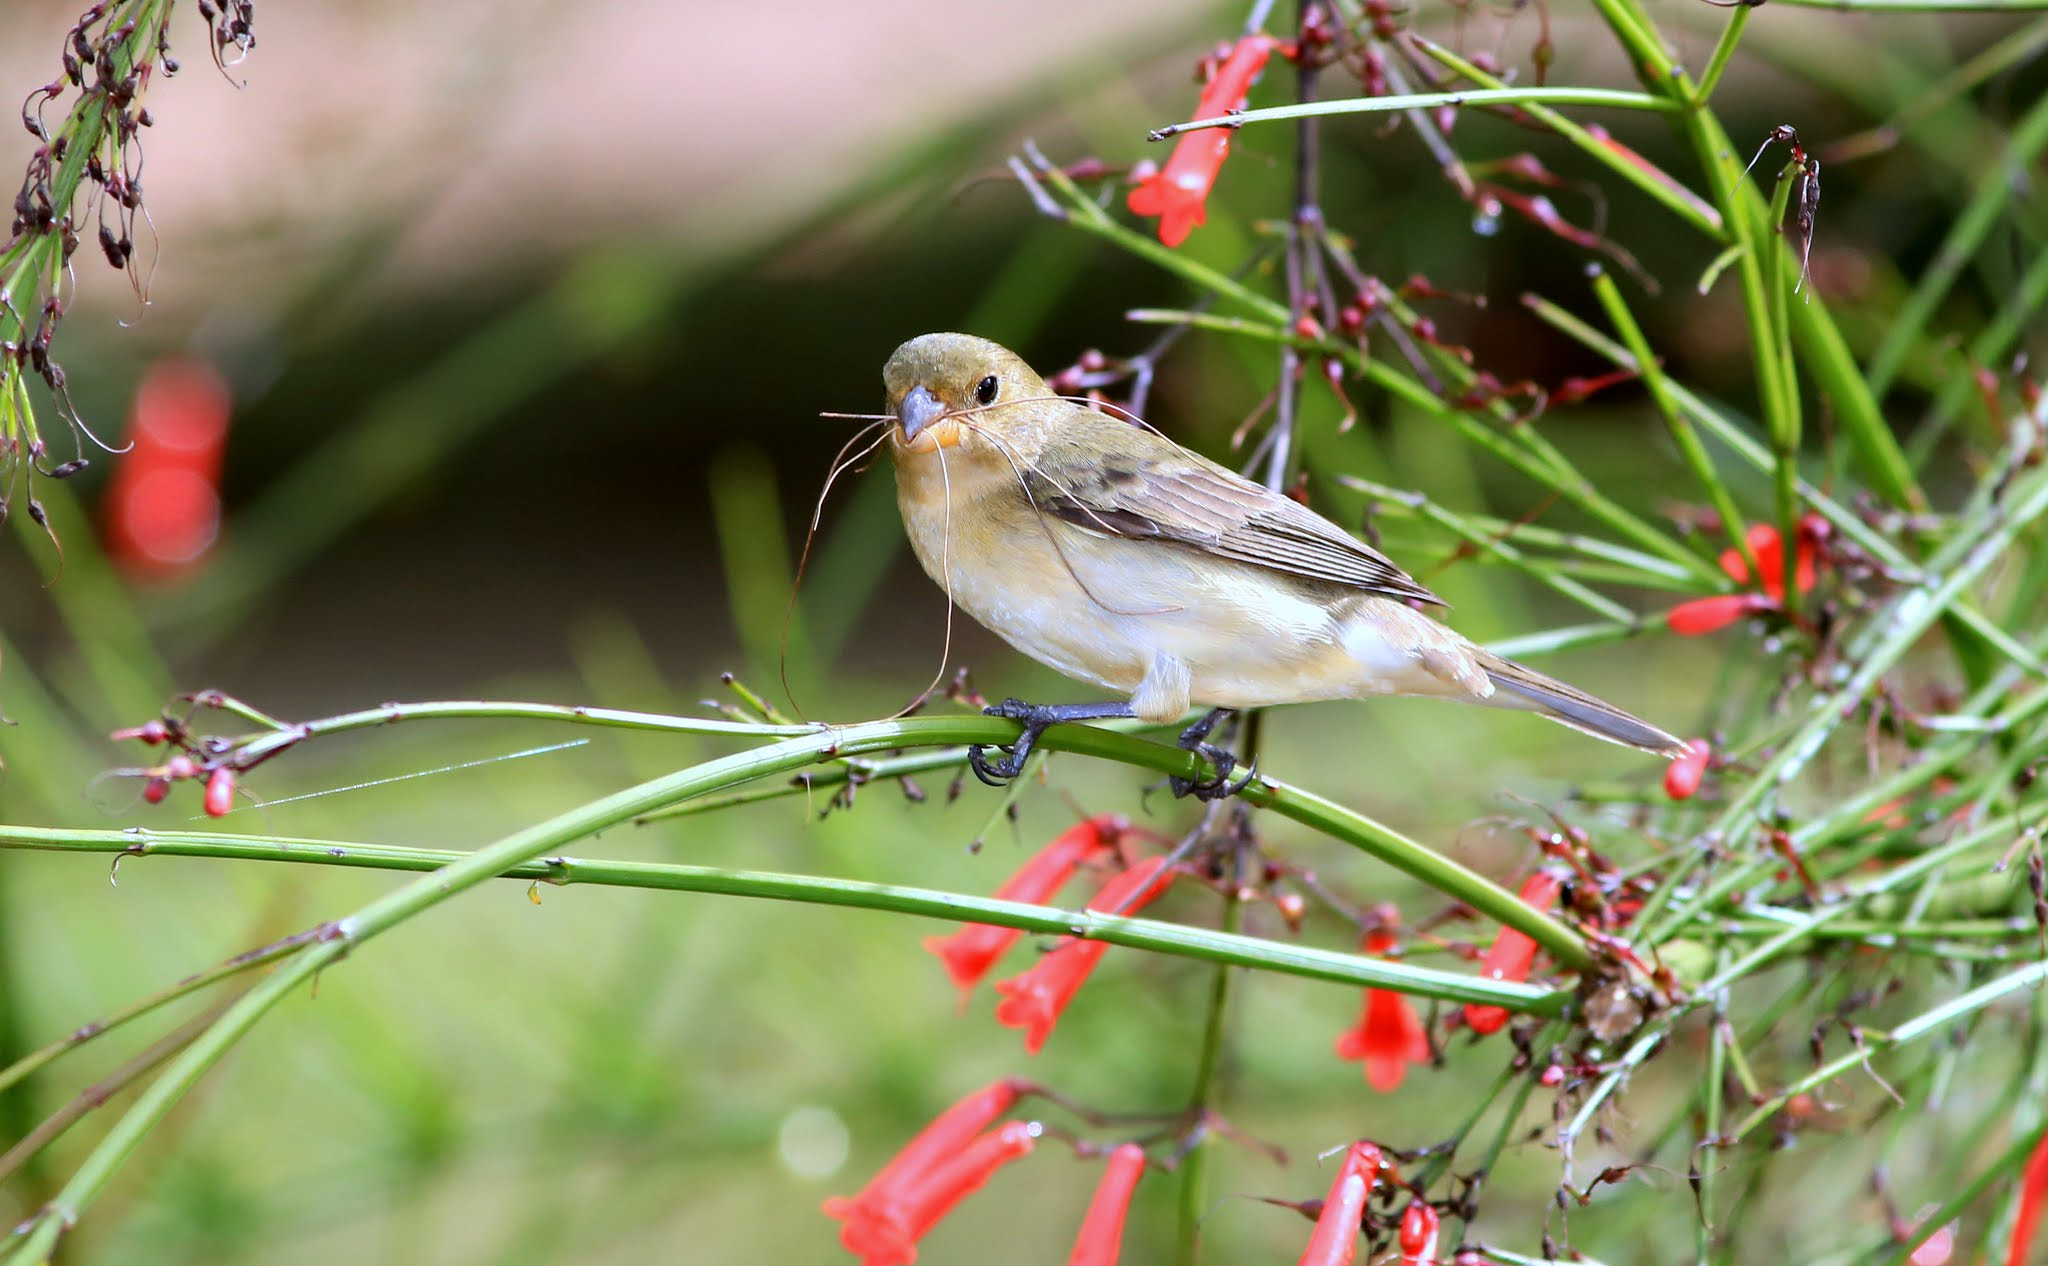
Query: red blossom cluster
960,1151
1707,615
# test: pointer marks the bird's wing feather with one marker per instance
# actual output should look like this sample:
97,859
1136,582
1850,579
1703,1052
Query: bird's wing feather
1190,501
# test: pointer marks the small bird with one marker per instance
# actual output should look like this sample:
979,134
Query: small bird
1109,552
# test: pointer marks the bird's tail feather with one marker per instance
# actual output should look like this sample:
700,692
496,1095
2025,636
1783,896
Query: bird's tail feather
1516,686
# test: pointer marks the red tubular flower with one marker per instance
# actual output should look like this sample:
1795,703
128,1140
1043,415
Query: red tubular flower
1389,1035
1682,776
970,952
1699,616
2033,1189
1335,1240
879,1223
1419,1227
163,503
1177,192
1034,1000
1512,954
946,1184
1102,1231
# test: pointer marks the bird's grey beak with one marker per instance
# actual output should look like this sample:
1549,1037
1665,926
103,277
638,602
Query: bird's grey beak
919,409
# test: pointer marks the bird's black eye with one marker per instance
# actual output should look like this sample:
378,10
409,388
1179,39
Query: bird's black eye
985,390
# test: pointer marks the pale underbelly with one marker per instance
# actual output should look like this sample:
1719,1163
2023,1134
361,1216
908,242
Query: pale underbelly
1105,611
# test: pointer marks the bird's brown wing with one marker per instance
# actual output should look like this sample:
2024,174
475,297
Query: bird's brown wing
1188,500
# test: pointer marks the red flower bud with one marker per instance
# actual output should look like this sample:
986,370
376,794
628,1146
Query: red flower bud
1334,1242
1033,1001
970,952
1419,1228
1512,953
150,732
220,792
1682,776
1102,1231
154,790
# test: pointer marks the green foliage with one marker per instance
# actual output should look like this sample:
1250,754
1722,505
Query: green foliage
1815,984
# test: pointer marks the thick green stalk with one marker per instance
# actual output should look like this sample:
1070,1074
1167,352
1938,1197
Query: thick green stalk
1224,948
1828,361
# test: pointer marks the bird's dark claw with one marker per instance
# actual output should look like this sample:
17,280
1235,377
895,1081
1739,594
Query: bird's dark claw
1218,786
1001,770
1035,718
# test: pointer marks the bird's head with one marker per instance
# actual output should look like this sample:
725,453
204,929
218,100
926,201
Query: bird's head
943,386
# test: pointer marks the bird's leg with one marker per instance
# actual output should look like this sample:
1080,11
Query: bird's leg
1034,717
1196,739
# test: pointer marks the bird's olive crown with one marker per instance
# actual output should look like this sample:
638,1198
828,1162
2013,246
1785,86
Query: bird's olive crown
963,371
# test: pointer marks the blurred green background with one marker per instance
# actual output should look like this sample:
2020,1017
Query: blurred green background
529,311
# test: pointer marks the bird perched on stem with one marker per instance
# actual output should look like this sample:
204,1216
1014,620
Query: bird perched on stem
1109,552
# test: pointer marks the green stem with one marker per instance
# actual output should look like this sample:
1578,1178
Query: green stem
545,838
1927,1022
1682,434
1610,97
1724,50
1625,163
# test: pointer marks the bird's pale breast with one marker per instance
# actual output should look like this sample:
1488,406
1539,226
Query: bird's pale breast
1105,609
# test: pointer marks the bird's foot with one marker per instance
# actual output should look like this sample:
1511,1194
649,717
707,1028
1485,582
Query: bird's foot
1035,718
1219,785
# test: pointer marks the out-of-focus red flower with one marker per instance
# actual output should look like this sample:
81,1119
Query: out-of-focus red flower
1512,953
1177,193
1102,1231
1682,776
1769,548
2033,1190
1420,1225
970,952
1707,615
163,503
1697,617
1389,1035
1034,1000
1334,1242
881,1224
